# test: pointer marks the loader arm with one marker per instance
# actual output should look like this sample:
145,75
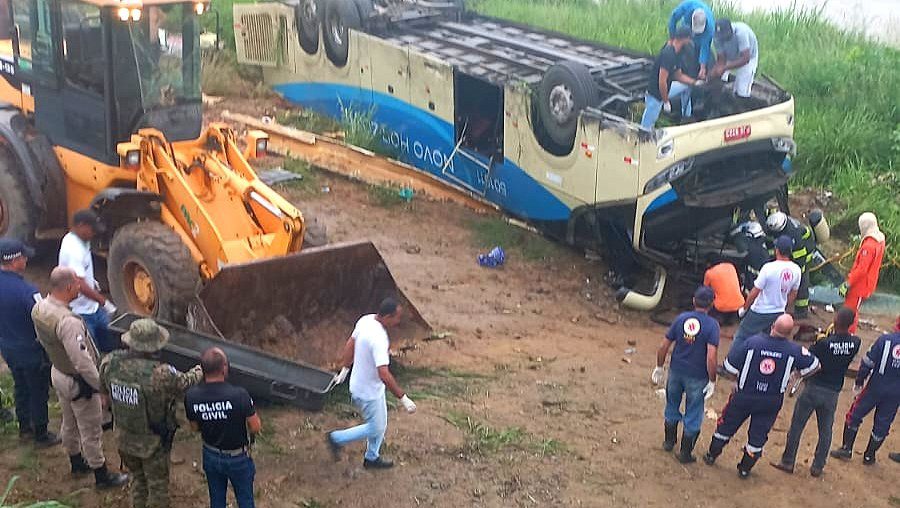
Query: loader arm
212,194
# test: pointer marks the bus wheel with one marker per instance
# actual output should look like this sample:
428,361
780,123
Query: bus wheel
565,90
340,17
309,18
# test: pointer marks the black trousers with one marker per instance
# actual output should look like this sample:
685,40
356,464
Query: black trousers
32,391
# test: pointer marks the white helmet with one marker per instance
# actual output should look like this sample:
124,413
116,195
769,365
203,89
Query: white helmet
776,222
754,229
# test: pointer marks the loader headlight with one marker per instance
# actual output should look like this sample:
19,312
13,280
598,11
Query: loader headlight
669,175
126,14
784,145
199,8
262,144
133,159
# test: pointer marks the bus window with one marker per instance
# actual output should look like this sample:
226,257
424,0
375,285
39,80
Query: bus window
6,29
479,116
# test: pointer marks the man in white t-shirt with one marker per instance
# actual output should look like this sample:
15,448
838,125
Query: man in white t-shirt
367,351
75,253
773,292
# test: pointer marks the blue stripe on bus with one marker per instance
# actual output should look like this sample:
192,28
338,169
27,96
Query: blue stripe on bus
426,141
662,200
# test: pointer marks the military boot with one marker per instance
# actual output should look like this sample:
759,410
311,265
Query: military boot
103,479
845,452
79,466
671,436
715,449
869,454
686,456
747,462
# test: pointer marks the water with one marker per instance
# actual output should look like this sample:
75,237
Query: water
877,19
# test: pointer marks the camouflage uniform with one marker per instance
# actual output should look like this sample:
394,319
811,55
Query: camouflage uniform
143,392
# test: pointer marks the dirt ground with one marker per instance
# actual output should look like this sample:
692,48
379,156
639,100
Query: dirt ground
532,400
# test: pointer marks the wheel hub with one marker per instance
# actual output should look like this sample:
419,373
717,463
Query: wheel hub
562,104
140,289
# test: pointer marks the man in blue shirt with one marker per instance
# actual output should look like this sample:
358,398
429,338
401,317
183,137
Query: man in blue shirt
762,366
697,15
881,367
19,346
692,375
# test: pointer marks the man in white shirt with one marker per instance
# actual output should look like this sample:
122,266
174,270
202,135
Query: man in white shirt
75,253
737,53
367,351
773,292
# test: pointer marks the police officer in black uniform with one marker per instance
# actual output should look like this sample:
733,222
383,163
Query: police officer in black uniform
762,365
23,354
226,418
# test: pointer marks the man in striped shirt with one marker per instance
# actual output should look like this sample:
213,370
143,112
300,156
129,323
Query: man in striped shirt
762,366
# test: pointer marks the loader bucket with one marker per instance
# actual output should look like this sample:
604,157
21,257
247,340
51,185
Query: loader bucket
303,306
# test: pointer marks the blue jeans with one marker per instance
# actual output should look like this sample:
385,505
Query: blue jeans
653,106
220,469
98,326
374,412
751,325
691,388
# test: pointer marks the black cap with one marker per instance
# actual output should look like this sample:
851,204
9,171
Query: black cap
89,217
682,32
724,30
11,248
784,244
704,296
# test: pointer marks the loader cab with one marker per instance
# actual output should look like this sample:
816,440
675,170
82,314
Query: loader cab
97,71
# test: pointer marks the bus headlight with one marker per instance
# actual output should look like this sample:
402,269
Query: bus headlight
669,175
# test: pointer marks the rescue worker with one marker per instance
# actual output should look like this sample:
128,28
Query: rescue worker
75,377
863,277
692,375
75,253
805,247
26,359
762,365
722,277
877,387
737,53
820,393
699,17
668,80
757,252
367,351
227,420
773,293
143,391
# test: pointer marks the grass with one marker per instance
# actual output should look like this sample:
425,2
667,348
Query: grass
484,439
845,89
492,232
309,181
308,120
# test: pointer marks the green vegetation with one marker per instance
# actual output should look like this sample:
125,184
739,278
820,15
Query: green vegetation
483,439
39,504
309,181
845,89
492,232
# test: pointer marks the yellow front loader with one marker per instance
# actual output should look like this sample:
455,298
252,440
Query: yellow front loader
101,108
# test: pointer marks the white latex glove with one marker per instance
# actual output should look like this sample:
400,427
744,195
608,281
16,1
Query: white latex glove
341,376
709,390
109,307
657,375
667,107
741,312
408,404
699,82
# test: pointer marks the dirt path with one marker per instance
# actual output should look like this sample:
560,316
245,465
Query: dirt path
532,401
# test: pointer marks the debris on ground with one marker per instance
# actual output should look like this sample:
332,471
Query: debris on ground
496,257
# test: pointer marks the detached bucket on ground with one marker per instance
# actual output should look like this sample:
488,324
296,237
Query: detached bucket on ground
303,306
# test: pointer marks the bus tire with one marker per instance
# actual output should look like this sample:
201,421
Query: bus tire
340,17
309,18
564,91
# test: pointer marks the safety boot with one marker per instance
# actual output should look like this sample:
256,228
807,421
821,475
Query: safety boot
79,466
671,436
103,479
686,456
869,454
845,452
747,462
715,449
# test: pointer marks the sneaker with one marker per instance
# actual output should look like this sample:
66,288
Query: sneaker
781,466
815,472
47,440
333,447
379,463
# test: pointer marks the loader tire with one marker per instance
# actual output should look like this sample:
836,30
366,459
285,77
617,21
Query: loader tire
316,234
151,271
19,214
309,19
564,91
340,17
